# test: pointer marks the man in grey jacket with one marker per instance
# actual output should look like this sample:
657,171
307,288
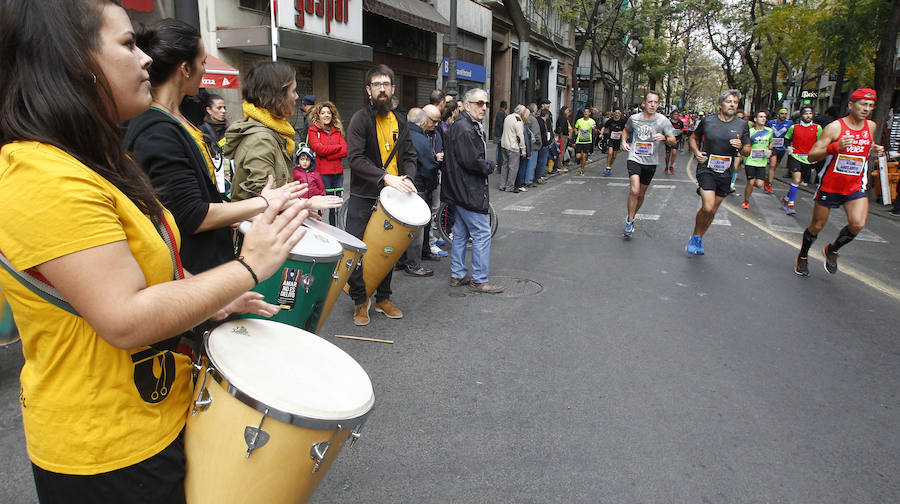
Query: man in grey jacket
535,145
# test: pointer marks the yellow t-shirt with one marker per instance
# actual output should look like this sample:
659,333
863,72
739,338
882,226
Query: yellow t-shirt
388,131
87,406
201,144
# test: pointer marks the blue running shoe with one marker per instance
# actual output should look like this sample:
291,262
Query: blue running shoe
784,205
608,172
629,229
439,242
695,246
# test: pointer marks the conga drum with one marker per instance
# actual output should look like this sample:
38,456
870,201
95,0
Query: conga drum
9,334
301,285
390,230
273,407
354,248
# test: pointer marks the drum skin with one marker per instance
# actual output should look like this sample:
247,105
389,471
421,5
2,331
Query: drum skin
219,471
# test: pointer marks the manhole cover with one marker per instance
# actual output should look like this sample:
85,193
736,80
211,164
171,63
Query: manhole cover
512,287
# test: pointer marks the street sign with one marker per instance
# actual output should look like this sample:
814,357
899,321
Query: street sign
809,94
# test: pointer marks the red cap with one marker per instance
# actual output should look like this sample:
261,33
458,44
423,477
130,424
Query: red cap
864,94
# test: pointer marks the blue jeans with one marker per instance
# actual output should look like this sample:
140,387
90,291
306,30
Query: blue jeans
333,182
476,225
532,164
520,176
543,155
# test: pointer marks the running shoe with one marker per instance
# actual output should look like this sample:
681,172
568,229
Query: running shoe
439,242
830,260
801,268
768,187
437,251
790,209
745,205
784,205
608,171
581,172
695,246
629,228
731,189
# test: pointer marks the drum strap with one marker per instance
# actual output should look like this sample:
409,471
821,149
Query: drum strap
393,153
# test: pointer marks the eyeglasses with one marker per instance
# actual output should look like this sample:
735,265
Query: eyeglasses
480,103
382,85
435,121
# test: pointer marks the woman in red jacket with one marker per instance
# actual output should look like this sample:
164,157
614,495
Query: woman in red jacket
327,141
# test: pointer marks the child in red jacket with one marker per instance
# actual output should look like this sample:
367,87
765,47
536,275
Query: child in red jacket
305,173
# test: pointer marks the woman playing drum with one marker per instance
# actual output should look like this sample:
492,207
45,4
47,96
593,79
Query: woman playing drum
104,398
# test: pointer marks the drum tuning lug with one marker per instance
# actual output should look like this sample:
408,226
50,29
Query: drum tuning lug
349,264
387,225
255,437
204,398
306,281
318,450
412,234
355,435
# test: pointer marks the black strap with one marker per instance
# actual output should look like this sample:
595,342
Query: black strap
400,138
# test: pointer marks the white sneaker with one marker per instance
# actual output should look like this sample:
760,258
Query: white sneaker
435,250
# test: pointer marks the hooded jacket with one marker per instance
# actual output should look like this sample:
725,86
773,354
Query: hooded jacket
311,177
330,148
175,164
464,176
257,152
364,156
427,144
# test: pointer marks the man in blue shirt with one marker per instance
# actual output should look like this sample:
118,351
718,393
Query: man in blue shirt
780,126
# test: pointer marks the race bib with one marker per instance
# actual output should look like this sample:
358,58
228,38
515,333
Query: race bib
757,153
778,142
849,165
584,134
719,164
643,148
615,135
802,157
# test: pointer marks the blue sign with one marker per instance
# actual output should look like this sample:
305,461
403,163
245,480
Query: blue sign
465,71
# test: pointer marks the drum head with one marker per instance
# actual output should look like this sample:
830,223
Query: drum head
314,246
408,208
344,238
290,370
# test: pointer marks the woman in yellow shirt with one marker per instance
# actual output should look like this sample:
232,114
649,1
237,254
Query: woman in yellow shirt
104,396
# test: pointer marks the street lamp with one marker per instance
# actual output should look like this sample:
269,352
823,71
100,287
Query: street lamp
634,45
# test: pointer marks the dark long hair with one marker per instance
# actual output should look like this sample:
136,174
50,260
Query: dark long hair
52,91
169,42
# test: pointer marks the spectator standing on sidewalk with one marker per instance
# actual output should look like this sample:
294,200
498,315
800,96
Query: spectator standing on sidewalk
498,129
513,143
465,184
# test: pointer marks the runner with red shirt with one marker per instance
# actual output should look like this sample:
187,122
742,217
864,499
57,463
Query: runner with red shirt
846,145
802,136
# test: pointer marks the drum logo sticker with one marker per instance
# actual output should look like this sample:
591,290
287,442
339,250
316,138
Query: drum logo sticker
287,294
388,250
154,373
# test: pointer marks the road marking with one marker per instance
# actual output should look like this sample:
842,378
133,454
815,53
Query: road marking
574,182
839,219
573,211
519,208
619,184
850,271
721,221
663,186
641,216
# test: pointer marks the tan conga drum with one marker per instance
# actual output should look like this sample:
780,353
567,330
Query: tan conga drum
391,229
9,334
354,248
273,407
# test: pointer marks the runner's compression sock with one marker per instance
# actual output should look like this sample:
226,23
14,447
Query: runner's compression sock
733,177
808,240
792,193
843,238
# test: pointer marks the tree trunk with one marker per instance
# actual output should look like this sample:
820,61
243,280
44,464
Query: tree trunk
884,69
839,84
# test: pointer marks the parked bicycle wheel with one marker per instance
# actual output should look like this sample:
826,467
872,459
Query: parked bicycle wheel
446,216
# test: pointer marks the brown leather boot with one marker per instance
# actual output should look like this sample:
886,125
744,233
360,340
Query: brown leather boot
361,314
389,309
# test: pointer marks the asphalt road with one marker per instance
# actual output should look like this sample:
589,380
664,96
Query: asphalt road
621,371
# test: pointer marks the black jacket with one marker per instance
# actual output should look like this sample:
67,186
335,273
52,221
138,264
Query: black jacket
464,176
542,124
176,167
498,124
364,156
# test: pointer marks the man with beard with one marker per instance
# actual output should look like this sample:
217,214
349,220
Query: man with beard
802,137
648,131
724,137
465,185
845,145
380,153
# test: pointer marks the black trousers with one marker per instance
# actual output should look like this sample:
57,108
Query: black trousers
157,480
359,211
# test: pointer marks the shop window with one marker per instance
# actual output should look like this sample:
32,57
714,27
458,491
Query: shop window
255,5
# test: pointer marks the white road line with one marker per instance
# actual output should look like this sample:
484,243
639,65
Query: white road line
619,184
721,221
641,216
519,208
663,186
574,182
573,211
839,219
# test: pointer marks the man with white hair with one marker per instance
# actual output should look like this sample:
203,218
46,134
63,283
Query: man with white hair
513,141
464,183
724,138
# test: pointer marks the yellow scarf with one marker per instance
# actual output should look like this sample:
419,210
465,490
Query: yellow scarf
278,125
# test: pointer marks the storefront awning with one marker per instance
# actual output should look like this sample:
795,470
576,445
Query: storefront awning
293,44
219,75
412,12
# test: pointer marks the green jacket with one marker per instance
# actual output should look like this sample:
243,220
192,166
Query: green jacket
257,152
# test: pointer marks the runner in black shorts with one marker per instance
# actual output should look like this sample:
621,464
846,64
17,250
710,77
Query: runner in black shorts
672,150
612,134
724,137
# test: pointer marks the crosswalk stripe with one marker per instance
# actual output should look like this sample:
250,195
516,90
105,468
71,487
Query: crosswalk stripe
641,216
618,184
519,208
579,182
663,186
721,221
573,211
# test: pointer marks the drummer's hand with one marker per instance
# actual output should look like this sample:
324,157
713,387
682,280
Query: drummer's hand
289,191
402,184
272,236
324,202
249,302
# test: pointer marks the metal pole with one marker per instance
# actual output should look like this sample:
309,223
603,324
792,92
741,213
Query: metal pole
633,79
274,30
451,53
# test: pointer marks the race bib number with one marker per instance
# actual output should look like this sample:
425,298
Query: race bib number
719,164
584,134
615,135
778,142
849,165
643,148
802,157
757,153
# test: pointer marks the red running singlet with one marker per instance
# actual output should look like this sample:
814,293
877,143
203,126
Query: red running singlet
847,172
